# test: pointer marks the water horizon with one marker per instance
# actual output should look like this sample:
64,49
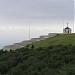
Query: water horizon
10,35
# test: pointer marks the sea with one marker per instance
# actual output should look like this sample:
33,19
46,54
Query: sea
10,34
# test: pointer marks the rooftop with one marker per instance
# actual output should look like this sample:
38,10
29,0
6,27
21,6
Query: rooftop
67,28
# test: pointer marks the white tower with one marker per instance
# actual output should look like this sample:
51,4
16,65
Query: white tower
67,30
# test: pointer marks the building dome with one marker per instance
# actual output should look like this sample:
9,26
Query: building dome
67,28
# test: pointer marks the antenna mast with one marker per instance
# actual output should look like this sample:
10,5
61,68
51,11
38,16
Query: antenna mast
67,24
29,28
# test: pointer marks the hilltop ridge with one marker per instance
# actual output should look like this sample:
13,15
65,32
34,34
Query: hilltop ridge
26,42
44,41
64,39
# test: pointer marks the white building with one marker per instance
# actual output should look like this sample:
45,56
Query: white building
67,30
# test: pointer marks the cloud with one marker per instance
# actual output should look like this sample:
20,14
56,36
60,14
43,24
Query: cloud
18,11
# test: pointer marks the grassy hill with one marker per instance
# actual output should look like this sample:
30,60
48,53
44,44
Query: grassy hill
64,39
53,56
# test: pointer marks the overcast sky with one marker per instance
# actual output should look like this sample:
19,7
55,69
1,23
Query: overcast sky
45,16
41,12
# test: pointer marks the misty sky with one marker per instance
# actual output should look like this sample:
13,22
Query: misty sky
45,16
41,12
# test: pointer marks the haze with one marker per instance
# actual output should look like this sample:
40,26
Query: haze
45,16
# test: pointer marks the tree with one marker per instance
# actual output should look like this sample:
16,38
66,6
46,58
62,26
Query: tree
32,47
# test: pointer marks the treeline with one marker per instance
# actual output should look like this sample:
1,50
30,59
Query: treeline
52,60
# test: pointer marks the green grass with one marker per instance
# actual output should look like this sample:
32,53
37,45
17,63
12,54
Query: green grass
63,39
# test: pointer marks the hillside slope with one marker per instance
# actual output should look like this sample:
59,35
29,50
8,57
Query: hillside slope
64,39
57,58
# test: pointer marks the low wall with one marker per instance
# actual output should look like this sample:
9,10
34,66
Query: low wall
52,34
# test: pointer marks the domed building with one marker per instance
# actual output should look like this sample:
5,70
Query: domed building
67,30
